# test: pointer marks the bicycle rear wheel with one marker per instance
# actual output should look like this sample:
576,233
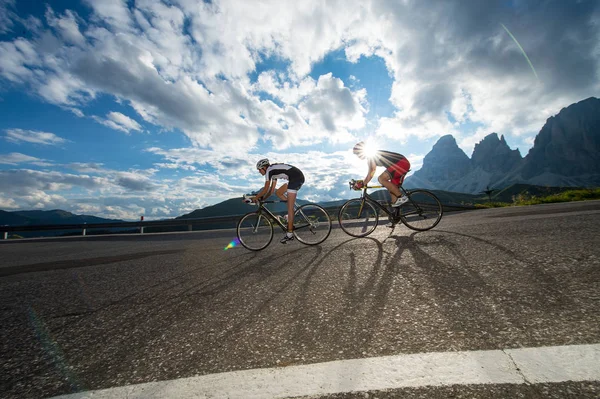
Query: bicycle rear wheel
255,231
423,210
312,224
358,217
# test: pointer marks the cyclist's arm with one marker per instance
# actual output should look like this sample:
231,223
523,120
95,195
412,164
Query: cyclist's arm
371,172
266,191
272,189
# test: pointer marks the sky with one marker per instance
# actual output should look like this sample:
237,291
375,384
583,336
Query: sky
123,108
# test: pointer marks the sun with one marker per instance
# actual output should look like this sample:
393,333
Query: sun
370,149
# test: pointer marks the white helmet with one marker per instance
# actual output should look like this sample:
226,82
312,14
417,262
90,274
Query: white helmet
262,163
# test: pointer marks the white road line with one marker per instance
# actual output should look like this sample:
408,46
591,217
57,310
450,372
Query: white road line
514,366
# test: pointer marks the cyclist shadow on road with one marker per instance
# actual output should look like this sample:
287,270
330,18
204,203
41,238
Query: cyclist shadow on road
319,301
478,300
342,300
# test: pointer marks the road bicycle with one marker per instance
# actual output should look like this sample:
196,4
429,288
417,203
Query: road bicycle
312,225
358,217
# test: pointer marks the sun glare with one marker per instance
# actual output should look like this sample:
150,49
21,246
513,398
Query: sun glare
370,149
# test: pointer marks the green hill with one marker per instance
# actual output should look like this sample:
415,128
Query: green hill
55,216
508,193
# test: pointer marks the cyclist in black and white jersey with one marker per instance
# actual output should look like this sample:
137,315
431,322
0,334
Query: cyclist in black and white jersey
287,192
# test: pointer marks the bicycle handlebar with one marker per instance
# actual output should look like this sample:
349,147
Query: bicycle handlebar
353,182
250,199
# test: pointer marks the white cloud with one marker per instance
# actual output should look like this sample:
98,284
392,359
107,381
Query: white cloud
33,136
17,57
15,158
67,26
8,203
113,12
118,121
6,15
83,167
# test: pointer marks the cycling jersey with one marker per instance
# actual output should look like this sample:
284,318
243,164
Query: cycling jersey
387,158
395,164
283,171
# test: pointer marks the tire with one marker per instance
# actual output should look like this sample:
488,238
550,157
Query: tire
316,229
253,238
358,217
423,211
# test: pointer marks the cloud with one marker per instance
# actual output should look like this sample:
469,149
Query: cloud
118,121
8,203
17,58
12,181
67,26
15,158
84,167
113,12
232,165
6,15
312,112
134,181
33,136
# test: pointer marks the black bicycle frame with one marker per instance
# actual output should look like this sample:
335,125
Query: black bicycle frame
395,214
274,218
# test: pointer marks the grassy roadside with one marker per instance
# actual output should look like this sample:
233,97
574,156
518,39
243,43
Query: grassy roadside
565,196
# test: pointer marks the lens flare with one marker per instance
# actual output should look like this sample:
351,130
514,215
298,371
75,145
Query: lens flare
232,244
522,51
370,149
53,350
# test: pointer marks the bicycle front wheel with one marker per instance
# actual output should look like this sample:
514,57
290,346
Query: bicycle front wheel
423,210
312,224
255,231
358,217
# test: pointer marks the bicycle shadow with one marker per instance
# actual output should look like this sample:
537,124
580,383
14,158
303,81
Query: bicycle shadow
482,302
169,314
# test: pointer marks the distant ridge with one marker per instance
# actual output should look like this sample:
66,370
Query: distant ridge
55,216
234,206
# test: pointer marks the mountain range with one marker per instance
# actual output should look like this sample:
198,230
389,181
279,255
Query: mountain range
566,153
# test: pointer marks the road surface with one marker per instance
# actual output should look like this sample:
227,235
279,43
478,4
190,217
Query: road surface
485,287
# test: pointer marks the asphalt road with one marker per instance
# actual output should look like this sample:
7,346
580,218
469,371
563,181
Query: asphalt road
98,312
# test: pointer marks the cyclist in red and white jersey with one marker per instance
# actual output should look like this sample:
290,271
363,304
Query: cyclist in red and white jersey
287,192
397,166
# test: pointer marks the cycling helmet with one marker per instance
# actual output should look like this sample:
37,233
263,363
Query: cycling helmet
262,163
359,148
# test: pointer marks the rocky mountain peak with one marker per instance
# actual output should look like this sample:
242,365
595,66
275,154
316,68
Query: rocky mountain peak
445,161
569,142
494,155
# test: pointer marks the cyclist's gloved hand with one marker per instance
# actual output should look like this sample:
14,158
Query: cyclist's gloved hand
359,184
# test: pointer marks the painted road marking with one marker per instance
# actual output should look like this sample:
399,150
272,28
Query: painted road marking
509,366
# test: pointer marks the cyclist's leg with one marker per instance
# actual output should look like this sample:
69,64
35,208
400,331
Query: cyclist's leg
386,179
292,192
290,206
281,192
398,172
